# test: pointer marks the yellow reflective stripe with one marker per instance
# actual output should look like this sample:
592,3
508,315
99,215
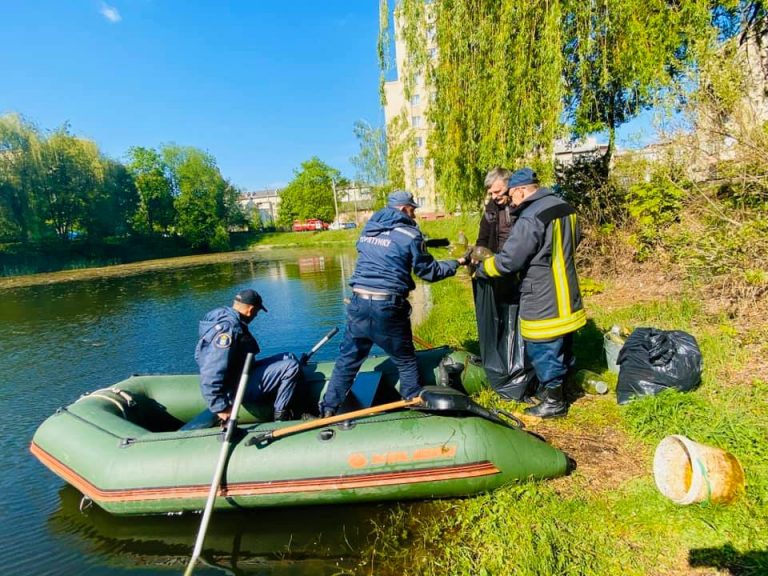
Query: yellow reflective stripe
489,265
573,232
553,327
558,272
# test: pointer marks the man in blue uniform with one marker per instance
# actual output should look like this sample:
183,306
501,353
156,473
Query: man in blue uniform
224,343
390,246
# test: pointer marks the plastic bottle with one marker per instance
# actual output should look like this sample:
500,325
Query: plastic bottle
615,335
590,382
462,241
480,253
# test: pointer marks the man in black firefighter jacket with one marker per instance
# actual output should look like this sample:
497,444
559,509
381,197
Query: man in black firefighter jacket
542,247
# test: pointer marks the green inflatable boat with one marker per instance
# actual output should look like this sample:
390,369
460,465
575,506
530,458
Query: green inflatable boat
121,447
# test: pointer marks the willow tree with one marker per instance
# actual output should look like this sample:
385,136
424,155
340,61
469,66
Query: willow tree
74,173
621,55
20,172
495,81
509,76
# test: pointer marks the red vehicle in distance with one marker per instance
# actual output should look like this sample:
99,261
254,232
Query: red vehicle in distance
309,225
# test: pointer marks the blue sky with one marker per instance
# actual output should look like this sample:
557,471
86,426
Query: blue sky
261,84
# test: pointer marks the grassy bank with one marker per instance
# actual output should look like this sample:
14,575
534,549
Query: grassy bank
607,517
299,239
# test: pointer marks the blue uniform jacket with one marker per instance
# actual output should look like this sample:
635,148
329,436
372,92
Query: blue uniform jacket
224,343
390,246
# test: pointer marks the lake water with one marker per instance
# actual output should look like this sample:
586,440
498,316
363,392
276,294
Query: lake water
58,341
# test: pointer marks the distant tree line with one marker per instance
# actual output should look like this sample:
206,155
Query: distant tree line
57,186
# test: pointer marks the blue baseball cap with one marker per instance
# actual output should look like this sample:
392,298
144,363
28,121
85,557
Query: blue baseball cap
250,297
522,177
401,198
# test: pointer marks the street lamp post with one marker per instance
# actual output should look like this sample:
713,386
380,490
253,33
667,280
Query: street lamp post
335,202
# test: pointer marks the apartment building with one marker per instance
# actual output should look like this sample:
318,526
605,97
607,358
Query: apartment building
419,172
264,202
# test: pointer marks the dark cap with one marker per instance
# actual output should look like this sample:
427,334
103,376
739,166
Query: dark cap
523,177
401,198
250,297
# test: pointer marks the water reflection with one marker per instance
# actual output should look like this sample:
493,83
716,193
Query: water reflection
60,340
257,541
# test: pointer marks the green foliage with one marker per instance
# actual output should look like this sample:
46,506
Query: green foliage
620,54
309,194
20,170
59,185
399,147
654,205
721,248
109,211
506,73
587,186
371,160
155,212
590,523
200,197
74,176
489,55
589,286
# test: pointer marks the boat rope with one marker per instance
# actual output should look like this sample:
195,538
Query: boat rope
122,397
110,399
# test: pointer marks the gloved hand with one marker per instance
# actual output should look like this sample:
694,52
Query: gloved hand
480,273
466,258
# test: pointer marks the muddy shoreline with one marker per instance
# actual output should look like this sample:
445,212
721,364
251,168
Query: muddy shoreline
117,270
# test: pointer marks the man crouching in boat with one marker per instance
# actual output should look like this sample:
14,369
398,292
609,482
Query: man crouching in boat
390,246
224,343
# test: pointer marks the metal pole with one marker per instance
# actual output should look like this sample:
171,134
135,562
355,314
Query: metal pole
335,202
231,426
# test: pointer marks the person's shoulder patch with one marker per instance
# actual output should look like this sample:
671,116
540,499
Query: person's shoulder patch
223,340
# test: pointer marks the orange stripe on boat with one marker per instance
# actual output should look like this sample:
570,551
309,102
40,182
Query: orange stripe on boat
372,480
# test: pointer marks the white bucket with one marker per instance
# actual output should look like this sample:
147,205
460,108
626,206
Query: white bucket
687,472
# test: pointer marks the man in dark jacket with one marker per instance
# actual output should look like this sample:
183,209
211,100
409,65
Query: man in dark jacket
497,218
502,348
542,247
225,341
390,246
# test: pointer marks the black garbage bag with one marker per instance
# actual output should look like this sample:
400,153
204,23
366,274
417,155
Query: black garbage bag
501,346
652,361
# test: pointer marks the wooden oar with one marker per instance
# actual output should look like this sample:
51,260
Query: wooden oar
432,398
423,343
266,437
228,433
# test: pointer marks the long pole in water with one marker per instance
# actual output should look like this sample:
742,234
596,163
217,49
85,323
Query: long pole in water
231,426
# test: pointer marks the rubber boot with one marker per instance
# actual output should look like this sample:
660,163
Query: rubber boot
536,396
283,415
553,404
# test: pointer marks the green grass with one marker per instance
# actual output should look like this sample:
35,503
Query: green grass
628,528
296,239
447,228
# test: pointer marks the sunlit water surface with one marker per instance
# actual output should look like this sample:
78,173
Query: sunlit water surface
60,340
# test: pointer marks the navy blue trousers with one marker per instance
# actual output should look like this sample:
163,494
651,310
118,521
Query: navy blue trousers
386,323
551,360
271,378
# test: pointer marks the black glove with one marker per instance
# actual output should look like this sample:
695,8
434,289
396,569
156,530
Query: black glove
467,256
437,242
